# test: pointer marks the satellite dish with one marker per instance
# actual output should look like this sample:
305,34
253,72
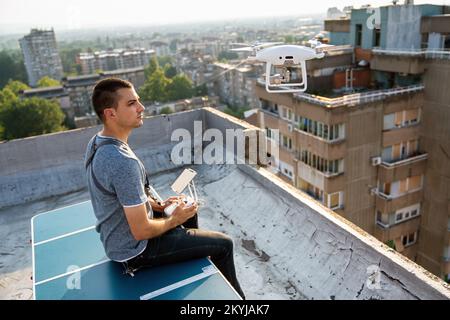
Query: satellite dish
363,63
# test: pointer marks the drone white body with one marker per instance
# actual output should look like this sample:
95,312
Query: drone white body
286,56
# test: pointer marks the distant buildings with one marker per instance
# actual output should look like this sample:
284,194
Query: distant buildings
113,60
236,85
75,93
161,48
41,56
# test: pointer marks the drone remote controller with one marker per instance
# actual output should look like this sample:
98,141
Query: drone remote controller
170,209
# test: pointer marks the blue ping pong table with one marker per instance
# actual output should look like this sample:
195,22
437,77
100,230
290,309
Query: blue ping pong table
69,262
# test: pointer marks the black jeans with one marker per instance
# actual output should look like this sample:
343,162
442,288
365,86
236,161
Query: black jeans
181,244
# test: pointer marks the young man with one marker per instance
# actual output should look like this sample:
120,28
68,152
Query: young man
132,228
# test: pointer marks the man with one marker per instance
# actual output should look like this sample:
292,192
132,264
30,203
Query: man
132,228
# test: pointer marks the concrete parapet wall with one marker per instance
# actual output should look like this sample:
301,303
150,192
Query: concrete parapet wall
49,165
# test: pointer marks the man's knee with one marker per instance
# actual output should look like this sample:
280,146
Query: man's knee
226,242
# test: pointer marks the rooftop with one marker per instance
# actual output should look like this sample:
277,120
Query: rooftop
288,246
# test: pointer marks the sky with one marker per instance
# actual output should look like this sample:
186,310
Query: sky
76,14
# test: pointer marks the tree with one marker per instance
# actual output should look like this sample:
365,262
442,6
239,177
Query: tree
153,65
155,87
46,81
163,60
236,111
29,117
201,90
12,67
289,38
7,96
179,88
165,110
16,86
68,60
170,71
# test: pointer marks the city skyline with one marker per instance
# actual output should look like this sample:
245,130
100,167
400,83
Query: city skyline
20,15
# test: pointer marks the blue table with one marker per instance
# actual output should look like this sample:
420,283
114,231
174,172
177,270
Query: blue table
69,262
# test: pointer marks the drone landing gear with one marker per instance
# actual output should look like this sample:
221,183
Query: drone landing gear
285,79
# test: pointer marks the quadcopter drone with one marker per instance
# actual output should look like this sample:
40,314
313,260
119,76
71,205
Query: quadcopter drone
285,59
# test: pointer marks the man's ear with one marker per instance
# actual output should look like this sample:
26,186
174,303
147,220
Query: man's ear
109,113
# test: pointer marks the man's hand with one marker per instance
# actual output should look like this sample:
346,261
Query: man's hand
182,213
170,200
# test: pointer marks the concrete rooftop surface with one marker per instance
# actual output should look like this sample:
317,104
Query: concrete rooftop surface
287,245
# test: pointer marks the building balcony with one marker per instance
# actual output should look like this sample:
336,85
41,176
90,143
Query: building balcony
392,137
326,149
386,232
389,203
395,170
328,182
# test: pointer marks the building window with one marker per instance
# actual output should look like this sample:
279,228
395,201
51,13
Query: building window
335,200
321,164
321,130
376,37
401,119
409,239
358,35
414,183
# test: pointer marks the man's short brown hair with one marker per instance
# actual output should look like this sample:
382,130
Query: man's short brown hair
105,94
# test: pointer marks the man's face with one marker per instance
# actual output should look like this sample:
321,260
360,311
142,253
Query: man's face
129,112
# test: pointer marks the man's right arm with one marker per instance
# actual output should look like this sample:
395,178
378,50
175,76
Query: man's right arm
143,228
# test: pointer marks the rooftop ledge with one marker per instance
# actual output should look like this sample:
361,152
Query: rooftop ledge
353,99
280,233
421,53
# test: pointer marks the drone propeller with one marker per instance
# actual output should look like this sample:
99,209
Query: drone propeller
245,49
254,47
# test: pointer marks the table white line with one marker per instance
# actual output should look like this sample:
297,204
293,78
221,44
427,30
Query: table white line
65,235
207,271
71,272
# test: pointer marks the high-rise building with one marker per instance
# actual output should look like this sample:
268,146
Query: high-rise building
41,56
371,138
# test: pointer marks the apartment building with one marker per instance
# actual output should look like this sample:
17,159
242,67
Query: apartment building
235,85
371,138
113,60
41,56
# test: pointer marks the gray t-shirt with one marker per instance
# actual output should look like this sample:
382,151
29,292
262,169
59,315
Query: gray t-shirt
118,170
